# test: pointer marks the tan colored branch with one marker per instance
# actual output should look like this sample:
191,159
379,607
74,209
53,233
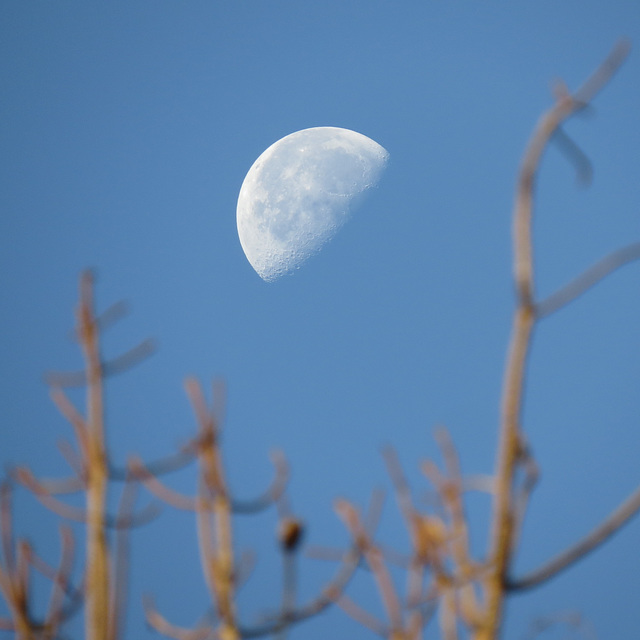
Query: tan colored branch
373,556
362,617
173,498
510,442
213,501
163,626
122,363
332,592
272,494
73,416
459,534
588,279
576,552
97,620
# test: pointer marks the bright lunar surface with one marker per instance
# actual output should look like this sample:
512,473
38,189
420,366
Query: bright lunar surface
300,191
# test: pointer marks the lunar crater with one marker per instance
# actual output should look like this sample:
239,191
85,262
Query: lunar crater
300,191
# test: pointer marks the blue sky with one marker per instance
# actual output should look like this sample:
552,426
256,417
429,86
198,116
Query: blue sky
126,130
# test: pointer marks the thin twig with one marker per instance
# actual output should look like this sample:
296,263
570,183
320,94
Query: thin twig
73,416
163,626
374,558
591,541
331,593
173,498
588,279
124,362
272,494
362,617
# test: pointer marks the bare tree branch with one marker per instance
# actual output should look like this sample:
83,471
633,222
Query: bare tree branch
588,279
510,440
591,541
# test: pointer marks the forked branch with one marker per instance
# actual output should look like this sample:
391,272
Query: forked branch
511,446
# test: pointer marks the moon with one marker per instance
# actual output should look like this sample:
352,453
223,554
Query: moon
300,191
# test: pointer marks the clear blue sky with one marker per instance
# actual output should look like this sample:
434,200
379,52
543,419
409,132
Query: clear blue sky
126,130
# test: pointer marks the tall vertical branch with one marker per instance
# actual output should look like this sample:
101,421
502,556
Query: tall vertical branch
510,442
97,558
214,501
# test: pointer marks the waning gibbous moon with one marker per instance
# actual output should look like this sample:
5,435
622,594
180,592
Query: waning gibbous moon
300,191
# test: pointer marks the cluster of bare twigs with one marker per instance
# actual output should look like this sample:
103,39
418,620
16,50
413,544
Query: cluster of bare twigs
102,592
443,579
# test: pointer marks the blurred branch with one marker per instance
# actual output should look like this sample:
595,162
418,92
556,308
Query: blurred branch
466,569
374,558
98,588
588,279
575,155
290,534
40,490
61,585
163,626
510,441
164,493
109,368
213,514
175,462
15,574
330,594
591,541
73,416
272,494
121,568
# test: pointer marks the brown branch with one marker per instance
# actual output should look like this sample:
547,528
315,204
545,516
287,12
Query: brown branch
510,443
112,314
373,556
361,616
121,569
452,498
575,155
328,596
184,457
76,463
521,500
98,587
61,584
589,278
76,514
161,491
218,557
330,593
129,359
73,416
12,585
109,368
612,524
272,494
48,487
162,625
